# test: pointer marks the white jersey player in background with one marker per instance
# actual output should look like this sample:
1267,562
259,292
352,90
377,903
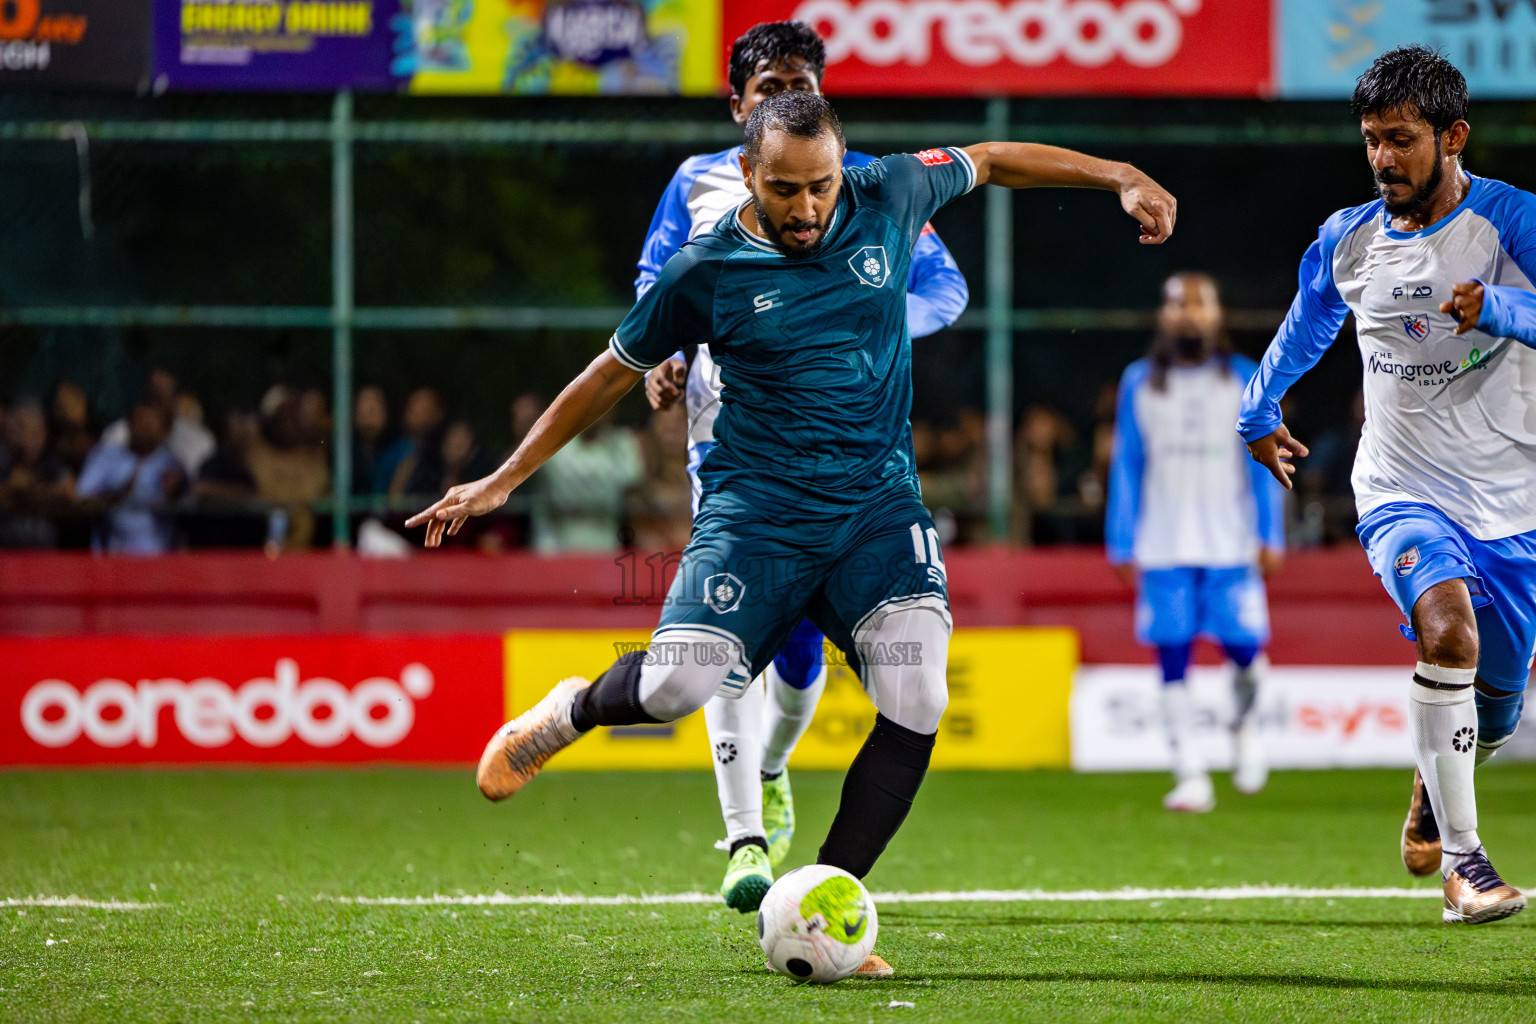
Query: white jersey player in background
752,736
1192,523
1438,273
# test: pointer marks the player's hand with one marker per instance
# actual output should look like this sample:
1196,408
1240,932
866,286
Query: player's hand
1271,561
664,384
1273,450
449,512
1465,304
1127,573
1153,206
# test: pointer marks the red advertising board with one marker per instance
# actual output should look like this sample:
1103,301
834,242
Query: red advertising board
269,700
1032,47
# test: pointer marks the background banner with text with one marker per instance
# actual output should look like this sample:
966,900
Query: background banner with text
270,700
1324,45
1031,47
297,45
997,718
570,48
67,44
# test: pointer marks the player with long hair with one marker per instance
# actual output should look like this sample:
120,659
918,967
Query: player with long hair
1194,525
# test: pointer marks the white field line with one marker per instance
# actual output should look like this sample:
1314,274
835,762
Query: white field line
1129,895
74,901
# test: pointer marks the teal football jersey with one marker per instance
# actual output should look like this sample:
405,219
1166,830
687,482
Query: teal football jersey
813,349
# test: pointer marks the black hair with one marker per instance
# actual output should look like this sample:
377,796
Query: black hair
1165,346
1413,80
804,115
773,43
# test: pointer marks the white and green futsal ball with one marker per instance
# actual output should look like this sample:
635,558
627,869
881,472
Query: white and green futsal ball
817,924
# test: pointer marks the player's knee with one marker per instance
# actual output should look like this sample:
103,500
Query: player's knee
905,653
684,669
923,705
798,664
1446,627
1449,642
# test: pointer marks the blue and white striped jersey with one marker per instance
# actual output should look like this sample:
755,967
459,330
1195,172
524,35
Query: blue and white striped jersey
1183,492
1450,420
706,188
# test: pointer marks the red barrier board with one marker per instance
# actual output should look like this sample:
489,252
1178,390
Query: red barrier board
270,700
1032,47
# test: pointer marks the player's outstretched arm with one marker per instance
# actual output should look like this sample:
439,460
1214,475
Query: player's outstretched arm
1275,450
1027,165
584,400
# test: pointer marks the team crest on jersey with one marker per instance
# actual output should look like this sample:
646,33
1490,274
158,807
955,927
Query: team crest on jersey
723,592
1406,561
934,157
869,265
1415,325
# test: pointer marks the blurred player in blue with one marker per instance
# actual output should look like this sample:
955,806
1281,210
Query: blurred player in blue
1194,525
1438,272
810,503
751,745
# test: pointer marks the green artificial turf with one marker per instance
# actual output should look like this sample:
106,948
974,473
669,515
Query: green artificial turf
244,865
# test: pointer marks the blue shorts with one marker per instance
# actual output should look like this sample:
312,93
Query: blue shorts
752,571
1413,547
1173,606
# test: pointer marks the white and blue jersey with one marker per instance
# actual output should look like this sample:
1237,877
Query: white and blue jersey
706,188
1445,476
1182,489
1188,507
1450,420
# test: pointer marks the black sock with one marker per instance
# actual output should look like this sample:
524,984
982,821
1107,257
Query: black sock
749,841
614,699
877,794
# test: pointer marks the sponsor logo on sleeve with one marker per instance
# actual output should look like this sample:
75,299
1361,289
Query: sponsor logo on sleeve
934,157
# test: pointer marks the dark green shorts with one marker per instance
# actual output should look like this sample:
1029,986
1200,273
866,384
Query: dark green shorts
752,572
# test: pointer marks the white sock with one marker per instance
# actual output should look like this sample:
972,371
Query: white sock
1178,718
735,741
1444,728
1245,690
789,714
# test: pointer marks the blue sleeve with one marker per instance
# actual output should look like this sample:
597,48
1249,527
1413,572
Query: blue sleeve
1509,311
1127,466
1312,323
669,230
1268,495
936,290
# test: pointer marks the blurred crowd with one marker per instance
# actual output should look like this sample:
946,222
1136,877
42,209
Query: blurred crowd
161,478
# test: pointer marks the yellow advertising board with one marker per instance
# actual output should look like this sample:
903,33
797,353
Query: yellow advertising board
1008,696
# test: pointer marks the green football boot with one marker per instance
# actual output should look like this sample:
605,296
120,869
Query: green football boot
747,878
778,817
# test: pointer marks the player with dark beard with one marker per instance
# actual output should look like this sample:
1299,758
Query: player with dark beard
1438,272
